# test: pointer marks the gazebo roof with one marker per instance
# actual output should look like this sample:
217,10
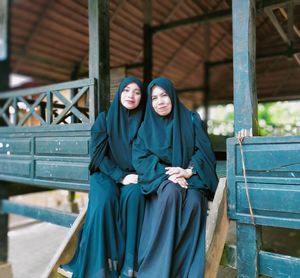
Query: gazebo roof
49,42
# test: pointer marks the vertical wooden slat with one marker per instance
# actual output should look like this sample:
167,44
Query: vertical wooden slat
49,107
99,53
244,41
148,35
15,106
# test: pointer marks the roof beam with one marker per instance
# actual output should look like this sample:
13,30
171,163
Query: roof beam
277,25
199,19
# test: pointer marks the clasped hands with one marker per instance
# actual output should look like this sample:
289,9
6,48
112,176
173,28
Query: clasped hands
179,175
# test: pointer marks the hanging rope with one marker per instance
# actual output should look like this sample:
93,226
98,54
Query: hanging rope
240,139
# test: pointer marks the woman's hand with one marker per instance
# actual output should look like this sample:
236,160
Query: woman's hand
179,172
181,181
131,178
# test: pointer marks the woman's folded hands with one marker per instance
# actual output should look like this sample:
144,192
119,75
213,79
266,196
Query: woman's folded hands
179,175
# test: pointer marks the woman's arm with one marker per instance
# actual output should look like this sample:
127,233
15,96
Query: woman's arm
150,170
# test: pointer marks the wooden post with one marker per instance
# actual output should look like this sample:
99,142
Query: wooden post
206,91
148,35
244,43
4,44
245,112
99,54
5,9
248,245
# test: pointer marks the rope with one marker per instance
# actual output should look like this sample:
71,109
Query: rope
240,139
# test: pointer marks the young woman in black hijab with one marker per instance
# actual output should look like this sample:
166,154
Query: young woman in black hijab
176,166
109,237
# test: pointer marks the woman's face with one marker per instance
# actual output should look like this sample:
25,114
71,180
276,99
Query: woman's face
131,96
161,102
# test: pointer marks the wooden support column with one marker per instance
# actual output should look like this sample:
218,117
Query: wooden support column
3,228
5,11
99,54
4,44
248,246
244,53
206,91
148,35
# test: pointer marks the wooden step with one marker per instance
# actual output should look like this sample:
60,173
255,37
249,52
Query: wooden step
216,232
66,250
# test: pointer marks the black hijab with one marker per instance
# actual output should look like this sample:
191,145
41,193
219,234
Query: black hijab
116,129
174,140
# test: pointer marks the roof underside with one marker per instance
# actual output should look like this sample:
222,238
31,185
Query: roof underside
49,42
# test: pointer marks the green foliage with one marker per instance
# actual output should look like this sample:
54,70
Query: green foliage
275,119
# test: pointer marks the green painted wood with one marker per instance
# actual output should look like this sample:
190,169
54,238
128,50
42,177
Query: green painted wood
62,146
279,266
229,256
248,244
273,176
16,167
3,228
54,170
268,197
244,45
11,146
99,54
270,264
40,213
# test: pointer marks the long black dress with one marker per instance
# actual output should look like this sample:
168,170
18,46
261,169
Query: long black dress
110,235
173,233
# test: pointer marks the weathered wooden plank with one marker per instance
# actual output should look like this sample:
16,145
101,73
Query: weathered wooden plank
16,167
279,266
53,87
44,183
273,176
270,264
244,45
43,214
269,197
46,129
62,171
11,146
62,146
216,231
66,249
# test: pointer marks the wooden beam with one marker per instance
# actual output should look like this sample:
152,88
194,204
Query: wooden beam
244,60
99,54
216,16
275,3
277,25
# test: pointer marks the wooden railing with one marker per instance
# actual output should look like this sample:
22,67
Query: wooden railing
49,105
